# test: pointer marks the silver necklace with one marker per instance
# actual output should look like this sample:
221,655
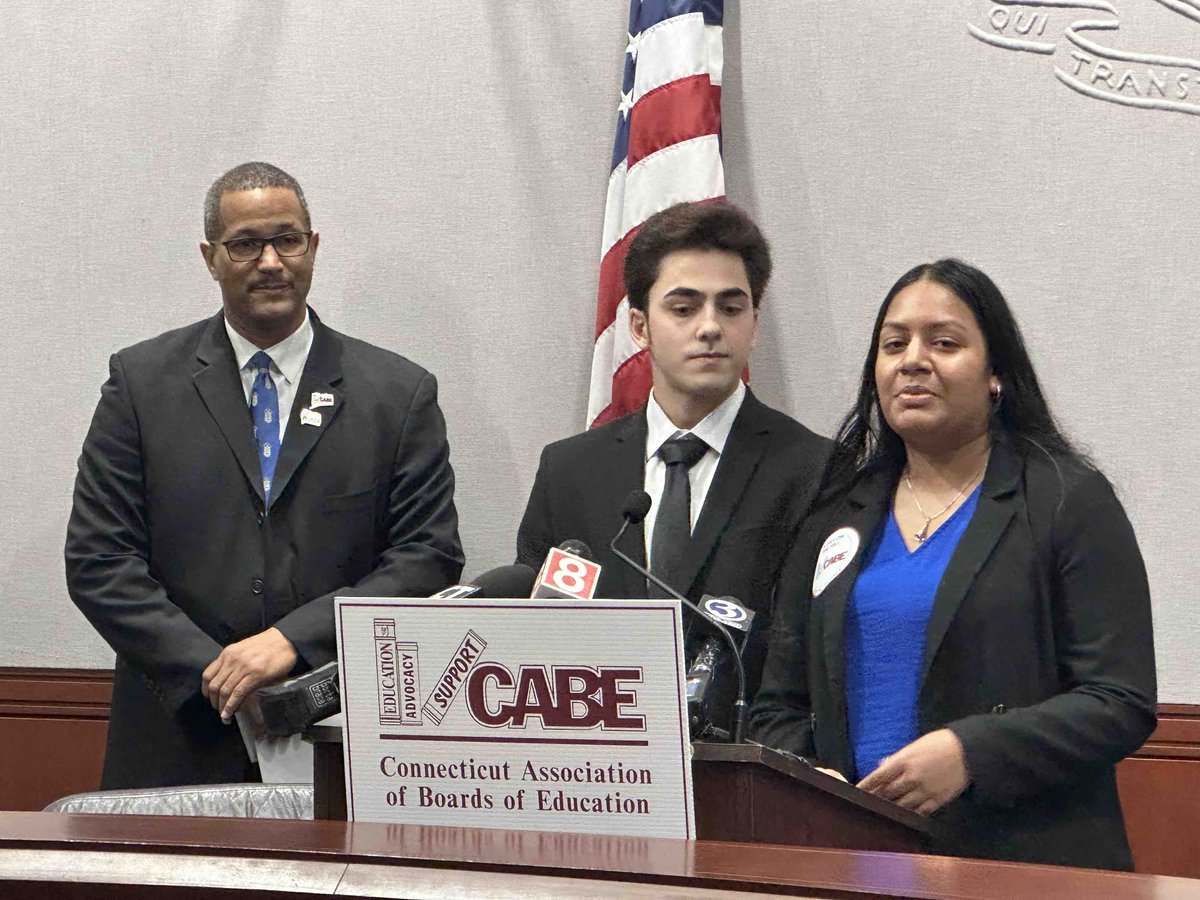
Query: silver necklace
921,535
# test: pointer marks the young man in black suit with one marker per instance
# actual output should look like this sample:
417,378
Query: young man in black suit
721,517
238,474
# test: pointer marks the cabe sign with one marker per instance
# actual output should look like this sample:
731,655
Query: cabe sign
536,715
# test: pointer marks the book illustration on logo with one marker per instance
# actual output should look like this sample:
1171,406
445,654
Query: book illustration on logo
464,659
398,677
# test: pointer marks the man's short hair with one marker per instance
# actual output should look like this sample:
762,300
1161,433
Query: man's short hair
715,225
247,177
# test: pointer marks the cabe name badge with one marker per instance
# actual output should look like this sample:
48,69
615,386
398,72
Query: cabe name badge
545,715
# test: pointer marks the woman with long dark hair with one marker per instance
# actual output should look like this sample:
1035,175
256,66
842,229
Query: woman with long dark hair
963,626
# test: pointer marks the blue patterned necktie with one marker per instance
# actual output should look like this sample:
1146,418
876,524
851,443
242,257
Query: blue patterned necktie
264,406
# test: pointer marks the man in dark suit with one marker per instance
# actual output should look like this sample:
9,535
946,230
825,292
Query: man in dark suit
730,479
238,474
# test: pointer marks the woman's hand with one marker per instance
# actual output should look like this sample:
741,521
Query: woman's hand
924,776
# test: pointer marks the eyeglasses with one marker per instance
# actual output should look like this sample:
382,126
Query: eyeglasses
247,249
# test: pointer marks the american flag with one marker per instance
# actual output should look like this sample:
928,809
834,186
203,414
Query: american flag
667,150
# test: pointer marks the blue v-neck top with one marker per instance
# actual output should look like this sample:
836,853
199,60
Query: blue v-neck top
886,619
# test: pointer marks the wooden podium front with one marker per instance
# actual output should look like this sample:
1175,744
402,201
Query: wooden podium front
743,792
748,792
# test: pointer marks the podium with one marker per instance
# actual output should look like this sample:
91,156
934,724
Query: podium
748,792
743,792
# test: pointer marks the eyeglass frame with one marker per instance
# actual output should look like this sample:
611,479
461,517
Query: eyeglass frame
262,245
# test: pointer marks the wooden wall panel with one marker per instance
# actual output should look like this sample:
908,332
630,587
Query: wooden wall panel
1160,795
53,724
1161,802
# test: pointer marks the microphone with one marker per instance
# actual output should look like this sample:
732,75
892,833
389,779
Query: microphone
637,505
700,677
502,581
568,573
290,706
577,548
729,612
707,689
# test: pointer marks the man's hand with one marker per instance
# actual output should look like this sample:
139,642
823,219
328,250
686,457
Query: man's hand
244,667
924,776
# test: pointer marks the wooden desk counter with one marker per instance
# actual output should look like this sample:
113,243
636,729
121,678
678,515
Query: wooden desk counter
53,856
743,792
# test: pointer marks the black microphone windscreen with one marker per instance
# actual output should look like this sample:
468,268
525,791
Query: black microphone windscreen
637,506
288,708
505,581
577,548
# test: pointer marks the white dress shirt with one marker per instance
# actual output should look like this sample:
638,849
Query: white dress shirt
713,429
287,365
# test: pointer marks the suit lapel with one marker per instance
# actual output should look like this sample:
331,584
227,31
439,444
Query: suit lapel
743,450
220,387
322,374
997,502
623,470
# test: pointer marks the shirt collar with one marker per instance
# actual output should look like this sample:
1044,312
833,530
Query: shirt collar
713,429
289,355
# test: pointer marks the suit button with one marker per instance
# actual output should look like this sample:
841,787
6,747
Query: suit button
260,517
999,709
257,585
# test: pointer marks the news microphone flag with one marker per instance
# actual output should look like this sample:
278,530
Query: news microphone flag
566,575
667,150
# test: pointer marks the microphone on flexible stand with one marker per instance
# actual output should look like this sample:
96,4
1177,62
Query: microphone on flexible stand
637,505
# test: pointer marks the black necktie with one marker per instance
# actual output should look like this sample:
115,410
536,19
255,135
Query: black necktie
673,524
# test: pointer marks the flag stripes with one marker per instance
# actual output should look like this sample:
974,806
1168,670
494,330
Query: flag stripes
666,150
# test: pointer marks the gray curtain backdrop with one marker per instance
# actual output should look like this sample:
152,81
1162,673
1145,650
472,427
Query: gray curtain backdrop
455,156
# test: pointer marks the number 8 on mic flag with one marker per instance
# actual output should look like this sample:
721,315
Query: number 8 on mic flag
566,576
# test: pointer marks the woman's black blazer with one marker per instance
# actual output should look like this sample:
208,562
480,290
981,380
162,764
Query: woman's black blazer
1039,655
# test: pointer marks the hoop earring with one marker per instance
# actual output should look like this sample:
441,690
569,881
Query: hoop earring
996,395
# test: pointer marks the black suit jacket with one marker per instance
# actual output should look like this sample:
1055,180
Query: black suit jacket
763,486
171,553
1039,656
